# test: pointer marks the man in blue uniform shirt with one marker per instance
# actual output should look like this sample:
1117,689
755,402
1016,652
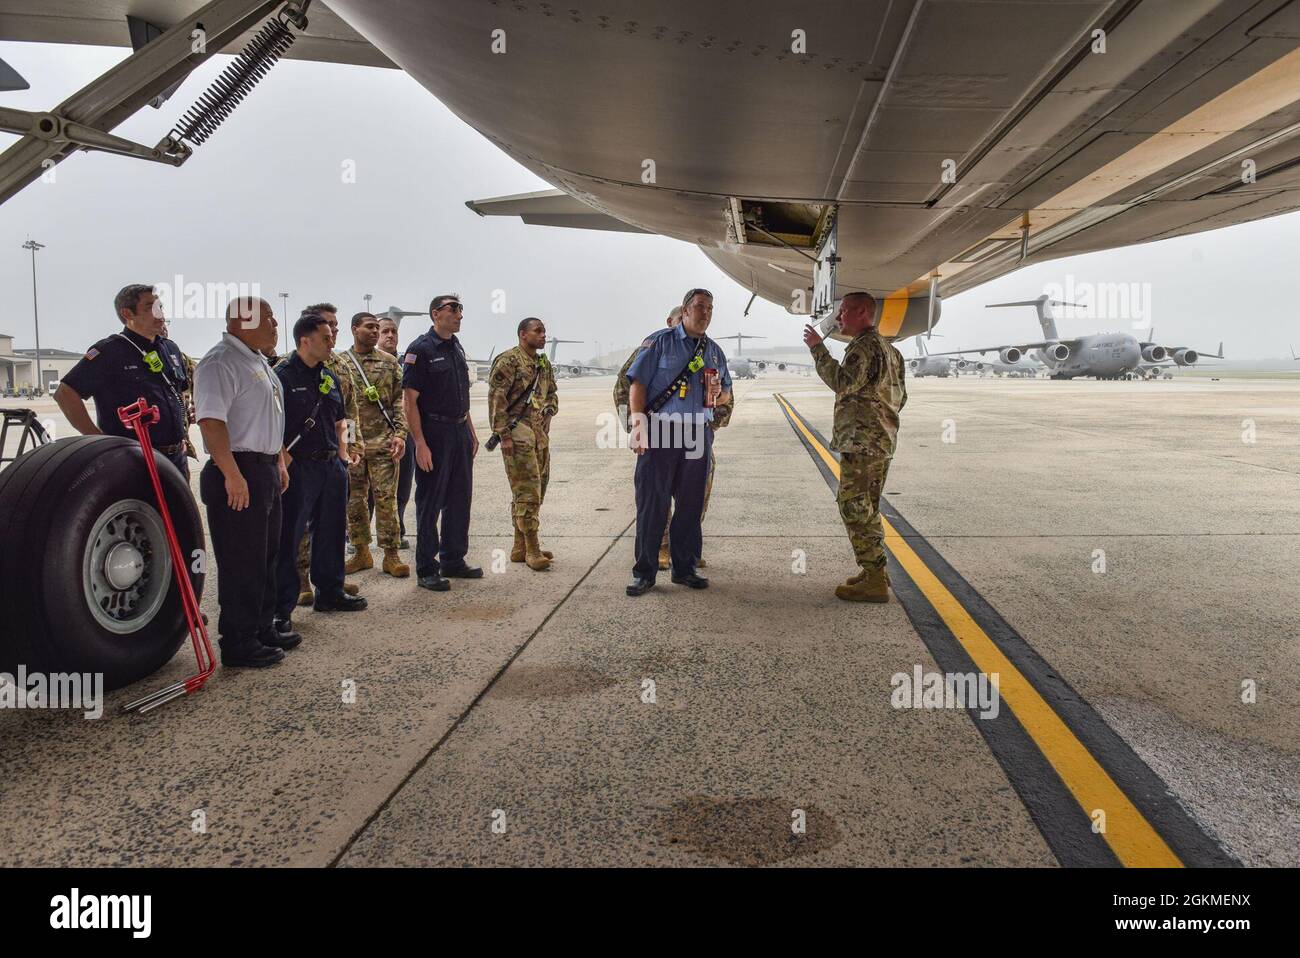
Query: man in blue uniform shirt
435,390
316,445
119,369
669,406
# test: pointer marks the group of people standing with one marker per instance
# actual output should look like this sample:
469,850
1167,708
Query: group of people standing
304,448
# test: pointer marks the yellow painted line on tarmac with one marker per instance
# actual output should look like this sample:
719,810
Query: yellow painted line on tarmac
1130,836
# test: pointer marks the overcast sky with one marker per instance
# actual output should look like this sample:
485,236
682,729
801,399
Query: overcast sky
264,202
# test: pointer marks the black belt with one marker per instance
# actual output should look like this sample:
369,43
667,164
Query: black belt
171,450
256,456
321,455
433,416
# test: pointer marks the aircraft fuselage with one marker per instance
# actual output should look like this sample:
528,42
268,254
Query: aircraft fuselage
1103,355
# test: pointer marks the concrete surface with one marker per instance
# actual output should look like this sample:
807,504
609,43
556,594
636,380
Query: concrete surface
518,700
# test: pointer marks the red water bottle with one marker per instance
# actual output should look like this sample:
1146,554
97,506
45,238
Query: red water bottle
710,379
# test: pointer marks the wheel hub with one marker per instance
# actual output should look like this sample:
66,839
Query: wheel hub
123,566
127,569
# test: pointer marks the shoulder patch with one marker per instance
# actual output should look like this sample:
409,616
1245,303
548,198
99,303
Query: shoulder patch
410,358
91,353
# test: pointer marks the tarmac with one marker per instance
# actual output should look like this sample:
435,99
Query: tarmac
1128,552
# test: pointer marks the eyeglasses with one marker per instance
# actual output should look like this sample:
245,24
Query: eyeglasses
454,307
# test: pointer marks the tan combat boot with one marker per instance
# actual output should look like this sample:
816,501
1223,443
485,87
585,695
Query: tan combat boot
700,563
873,586
537,559
359,562
394,566
305,596
351,588
520,549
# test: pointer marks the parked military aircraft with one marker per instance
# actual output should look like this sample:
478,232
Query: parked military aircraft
1100,355
926,365
565,370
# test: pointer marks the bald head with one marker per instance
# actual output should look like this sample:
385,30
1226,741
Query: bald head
675,316
252,322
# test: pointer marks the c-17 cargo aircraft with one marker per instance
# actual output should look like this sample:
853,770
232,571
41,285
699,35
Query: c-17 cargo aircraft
911,148
1100,355
926,365
745,367
565,370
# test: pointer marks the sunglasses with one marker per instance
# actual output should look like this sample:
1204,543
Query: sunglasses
454,307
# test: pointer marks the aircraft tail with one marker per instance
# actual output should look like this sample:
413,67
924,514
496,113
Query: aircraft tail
1043,306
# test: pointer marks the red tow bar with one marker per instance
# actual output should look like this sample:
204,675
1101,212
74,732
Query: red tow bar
140,416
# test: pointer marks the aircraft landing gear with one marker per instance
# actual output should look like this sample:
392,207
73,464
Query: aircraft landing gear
86,580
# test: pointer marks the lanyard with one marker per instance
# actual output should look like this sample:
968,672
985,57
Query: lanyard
156,365
372,393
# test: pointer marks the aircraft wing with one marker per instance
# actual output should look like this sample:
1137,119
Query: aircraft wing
551,208
103,23
1023,347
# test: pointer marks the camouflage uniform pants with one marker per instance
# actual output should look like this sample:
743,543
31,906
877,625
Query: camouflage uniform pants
529,471
378,474
862,478
708,488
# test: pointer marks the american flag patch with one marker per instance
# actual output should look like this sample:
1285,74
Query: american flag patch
92,353
409,358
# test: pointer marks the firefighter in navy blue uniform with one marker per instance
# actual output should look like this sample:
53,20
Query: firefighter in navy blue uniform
314,425
435,390
673,439
121,368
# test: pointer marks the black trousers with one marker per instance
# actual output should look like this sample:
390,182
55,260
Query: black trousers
244,545
317,494
676,474
442,498
405,476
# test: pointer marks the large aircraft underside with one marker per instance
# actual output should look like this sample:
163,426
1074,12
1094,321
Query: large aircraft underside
944,139
1143,141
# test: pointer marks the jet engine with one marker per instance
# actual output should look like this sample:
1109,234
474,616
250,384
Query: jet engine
780,367
1011,355
1059,351
1187,357
760,366
1154,354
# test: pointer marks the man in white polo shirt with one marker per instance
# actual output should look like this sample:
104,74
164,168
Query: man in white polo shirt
240,411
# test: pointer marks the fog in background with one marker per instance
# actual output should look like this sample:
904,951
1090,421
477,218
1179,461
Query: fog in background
264,203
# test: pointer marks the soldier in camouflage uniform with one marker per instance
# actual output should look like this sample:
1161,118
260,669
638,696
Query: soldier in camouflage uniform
721,416
342,372
869,394
383,431
525,448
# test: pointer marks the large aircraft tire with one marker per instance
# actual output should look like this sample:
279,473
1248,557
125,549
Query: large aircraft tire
86,583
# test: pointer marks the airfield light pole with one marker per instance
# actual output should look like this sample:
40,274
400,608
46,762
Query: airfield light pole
367,298
284,297
32,245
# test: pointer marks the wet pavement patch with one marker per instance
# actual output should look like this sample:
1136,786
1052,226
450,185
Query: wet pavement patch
549,681
748,831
